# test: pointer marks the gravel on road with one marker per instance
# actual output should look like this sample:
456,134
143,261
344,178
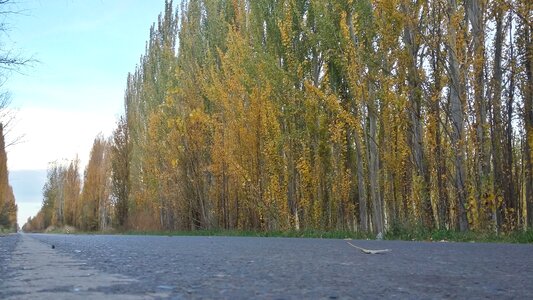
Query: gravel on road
291,268
7,246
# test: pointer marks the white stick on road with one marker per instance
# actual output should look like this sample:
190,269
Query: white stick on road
368,251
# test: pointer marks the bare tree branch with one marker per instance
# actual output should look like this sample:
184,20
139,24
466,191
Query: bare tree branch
9,62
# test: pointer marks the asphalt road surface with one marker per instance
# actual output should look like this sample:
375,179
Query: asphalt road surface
153,267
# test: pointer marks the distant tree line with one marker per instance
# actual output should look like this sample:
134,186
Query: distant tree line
319,114
66,201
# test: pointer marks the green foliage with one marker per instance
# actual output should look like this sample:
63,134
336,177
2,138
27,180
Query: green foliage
412,234
6,230
419,233
287,234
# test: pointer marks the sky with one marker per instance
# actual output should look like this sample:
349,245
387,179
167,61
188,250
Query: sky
74,88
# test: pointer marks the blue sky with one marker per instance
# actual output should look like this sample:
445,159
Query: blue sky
84,50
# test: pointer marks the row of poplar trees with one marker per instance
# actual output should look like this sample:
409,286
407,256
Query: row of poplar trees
326,114
70,200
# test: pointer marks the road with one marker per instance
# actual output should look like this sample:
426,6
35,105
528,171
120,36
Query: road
153,267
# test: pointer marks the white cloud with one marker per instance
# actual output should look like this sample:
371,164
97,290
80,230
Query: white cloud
53,134
49,135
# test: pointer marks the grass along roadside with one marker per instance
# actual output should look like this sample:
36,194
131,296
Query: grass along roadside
288,234
4,231
412,235
423,234
395,233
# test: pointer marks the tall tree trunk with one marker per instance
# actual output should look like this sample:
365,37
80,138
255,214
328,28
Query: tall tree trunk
528,121
500,180
363,212
416,142
434,128
373,161
510,194
363,196
474,12
457,117
439,163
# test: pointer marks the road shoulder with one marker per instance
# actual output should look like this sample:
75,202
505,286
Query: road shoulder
40,272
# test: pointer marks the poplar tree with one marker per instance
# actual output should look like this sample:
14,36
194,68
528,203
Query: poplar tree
8,208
